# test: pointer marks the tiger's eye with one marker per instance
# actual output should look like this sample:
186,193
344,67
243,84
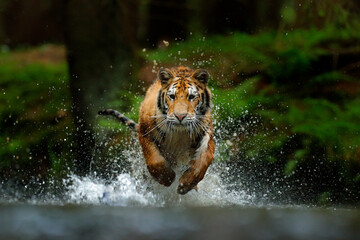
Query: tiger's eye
172,96
191,97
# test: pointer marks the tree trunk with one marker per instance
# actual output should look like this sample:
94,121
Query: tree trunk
99,55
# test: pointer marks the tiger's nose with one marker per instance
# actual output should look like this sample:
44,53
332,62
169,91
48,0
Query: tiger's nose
180,116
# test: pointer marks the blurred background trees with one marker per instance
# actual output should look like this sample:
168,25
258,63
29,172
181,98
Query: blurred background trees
99,38
285,83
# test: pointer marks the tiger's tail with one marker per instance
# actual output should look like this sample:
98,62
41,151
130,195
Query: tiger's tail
128,122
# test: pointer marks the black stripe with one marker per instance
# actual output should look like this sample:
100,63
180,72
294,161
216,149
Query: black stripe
123,119
207,98
202,107
198,139
131,124
159,102
205,103
164,110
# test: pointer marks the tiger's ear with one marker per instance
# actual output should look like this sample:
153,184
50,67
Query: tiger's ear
201,75
165,75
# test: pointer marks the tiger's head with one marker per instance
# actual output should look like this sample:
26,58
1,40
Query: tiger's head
184,97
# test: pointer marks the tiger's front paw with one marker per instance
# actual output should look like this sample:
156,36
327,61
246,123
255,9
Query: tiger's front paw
189,180
162,174
183,189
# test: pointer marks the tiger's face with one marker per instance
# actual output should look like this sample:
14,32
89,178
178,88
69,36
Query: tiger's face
184,97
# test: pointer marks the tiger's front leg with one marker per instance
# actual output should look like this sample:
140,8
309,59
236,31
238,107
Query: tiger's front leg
197,169
157,166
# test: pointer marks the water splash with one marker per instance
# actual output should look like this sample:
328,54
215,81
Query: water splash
130,189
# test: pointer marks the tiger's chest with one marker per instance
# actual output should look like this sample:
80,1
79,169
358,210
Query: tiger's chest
178,148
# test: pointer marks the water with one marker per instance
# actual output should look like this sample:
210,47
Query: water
134,186
141,190
110,222
133,206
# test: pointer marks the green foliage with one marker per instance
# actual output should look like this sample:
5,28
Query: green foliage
325,121
35,118
36,124
288,14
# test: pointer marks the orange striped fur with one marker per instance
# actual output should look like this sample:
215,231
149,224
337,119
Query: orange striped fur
175,127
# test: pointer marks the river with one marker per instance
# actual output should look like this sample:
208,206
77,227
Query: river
26,221
135,207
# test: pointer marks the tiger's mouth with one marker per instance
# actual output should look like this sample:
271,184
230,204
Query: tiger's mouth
189,122
178,123
184,122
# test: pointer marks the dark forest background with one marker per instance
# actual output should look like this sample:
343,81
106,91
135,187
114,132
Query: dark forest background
285,79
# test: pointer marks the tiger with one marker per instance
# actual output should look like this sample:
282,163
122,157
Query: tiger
175,126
